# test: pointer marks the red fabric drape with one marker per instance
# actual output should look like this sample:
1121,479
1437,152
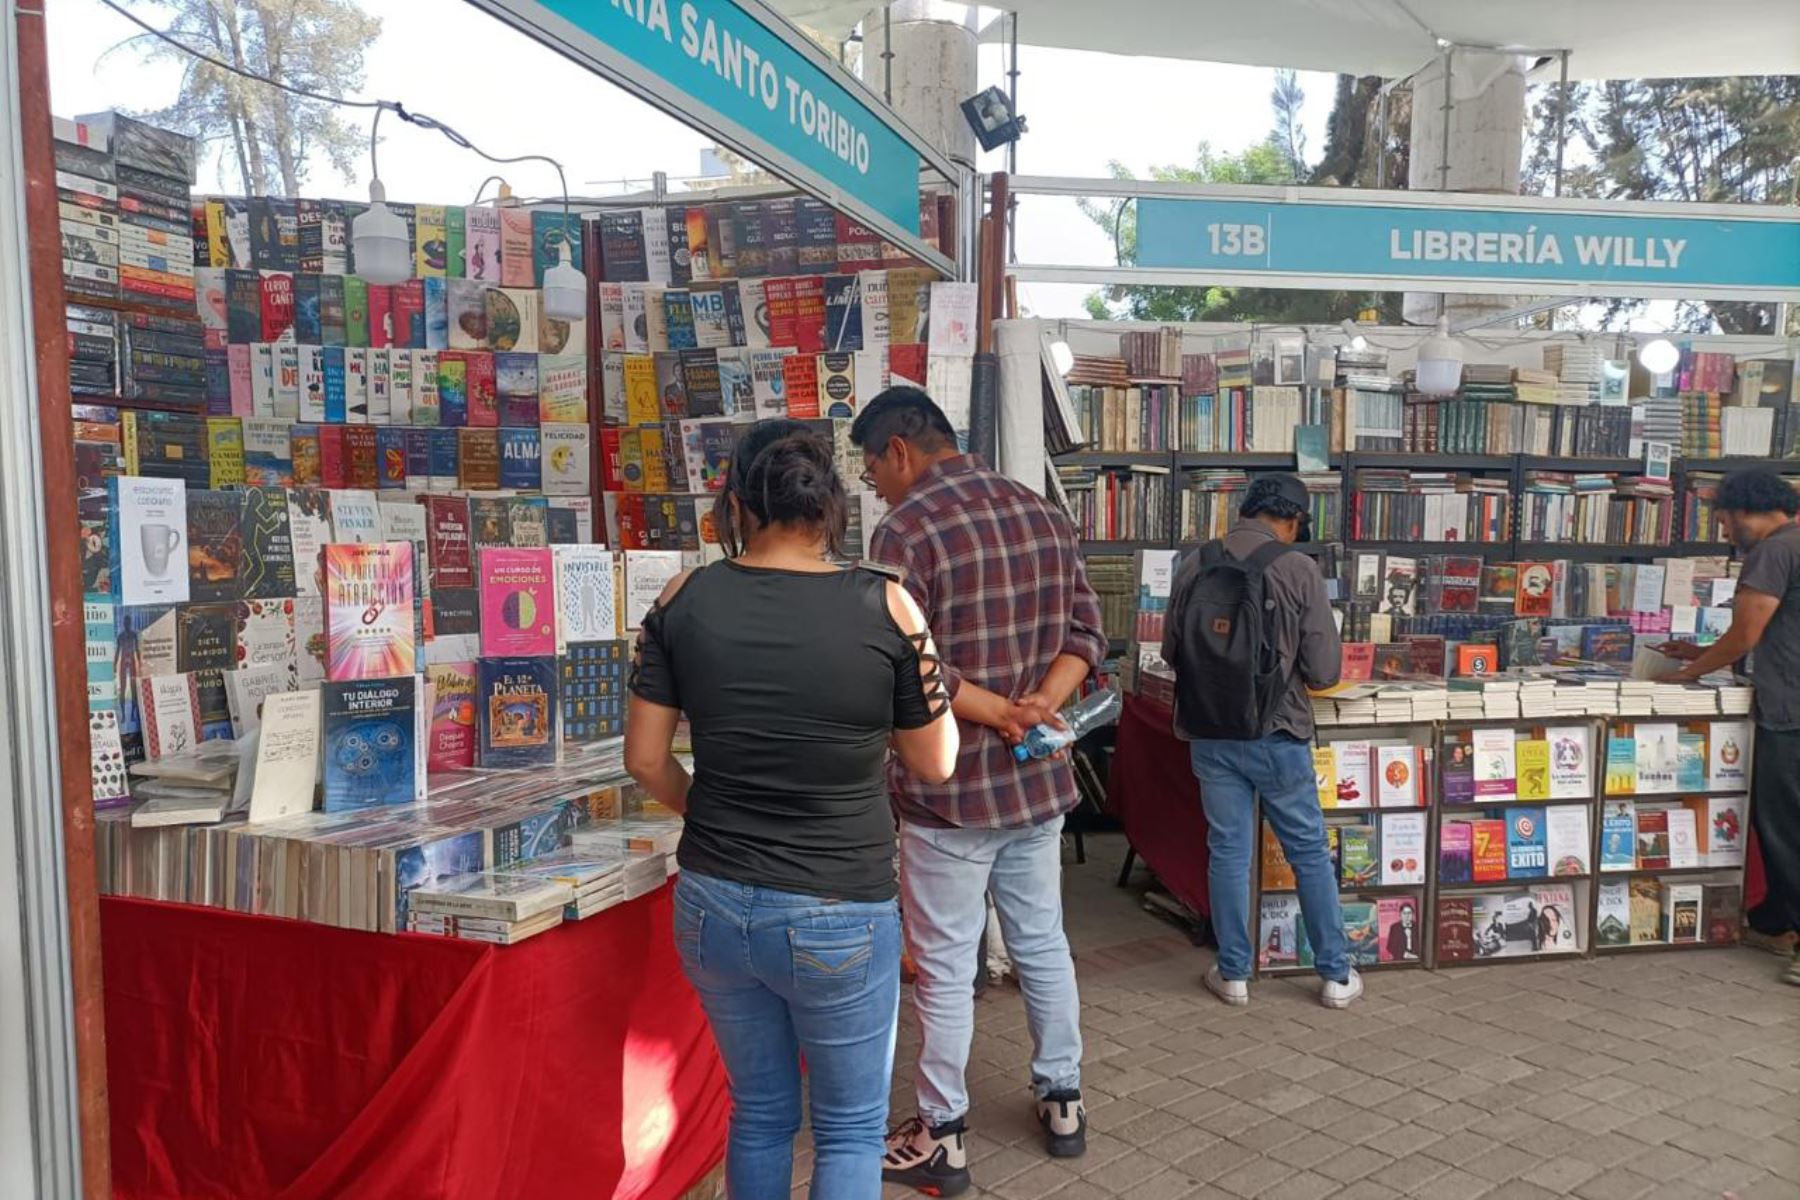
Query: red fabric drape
258,1057
1152,790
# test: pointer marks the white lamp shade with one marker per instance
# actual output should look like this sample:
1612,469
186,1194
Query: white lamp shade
1440,363
565,291
383,253
1659,357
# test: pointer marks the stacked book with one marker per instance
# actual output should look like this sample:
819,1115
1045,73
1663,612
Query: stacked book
1091,370
195,787
1152,354
1535,386
87,196
1579,369
1747,432
489,907
594,875
154,169
1662,421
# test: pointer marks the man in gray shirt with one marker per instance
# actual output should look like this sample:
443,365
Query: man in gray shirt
1758,509
1277,764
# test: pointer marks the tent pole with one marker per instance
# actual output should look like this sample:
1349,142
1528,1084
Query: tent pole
1562,120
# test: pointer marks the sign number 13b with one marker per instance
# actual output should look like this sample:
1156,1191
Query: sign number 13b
1236,241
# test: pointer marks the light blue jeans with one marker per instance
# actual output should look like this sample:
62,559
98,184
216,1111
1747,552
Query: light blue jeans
1279,769
944,874
783,975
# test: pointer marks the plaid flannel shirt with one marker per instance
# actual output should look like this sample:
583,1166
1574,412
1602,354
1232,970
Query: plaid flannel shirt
998,573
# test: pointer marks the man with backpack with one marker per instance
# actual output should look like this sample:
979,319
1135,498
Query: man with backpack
1248,630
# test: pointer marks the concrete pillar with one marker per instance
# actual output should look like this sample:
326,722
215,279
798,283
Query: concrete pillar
1485,111
933,69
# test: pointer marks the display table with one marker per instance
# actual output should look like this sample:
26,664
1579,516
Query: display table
252,1057
1152,790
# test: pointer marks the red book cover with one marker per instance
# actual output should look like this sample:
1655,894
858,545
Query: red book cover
277,305
1358,663
381,316
858,246
809,314
779,294
1456,928
484,400
362,456
334,457
612,466
1653,839
447,542
800,376
1537,584
634,532
409,314
1489,852
907,362
307,449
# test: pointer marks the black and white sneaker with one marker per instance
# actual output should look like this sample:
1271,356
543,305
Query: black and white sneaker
933,1159
1064,1119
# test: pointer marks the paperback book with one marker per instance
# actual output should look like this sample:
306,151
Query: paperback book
517,711
369,610
369,755
518,602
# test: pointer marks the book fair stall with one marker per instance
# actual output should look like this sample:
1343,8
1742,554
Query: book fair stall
1506,521
360,504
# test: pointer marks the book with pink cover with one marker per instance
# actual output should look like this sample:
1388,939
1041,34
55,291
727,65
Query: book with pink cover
518,602
452,741
369,610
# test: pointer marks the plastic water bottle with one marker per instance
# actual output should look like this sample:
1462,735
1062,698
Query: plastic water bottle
1093,711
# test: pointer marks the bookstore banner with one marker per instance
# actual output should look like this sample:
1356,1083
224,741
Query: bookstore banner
736,70
1473,245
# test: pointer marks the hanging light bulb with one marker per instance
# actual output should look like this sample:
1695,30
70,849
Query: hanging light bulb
1061,357
1358,342
565,288
1659,357
1440,362
378,237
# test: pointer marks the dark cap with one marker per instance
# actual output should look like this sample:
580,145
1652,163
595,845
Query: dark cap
1274,486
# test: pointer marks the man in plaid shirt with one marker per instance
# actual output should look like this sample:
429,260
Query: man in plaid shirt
997,570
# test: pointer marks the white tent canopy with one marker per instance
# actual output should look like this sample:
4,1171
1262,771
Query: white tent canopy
1606,39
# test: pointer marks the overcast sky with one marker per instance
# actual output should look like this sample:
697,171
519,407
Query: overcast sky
511,96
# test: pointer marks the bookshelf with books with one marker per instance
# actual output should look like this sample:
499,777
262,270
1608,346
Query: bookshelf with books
1674,816
1513,841
1375,787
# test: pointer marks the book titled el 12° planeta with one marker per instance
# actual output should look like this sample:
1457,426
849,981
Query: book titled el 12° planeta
516,704
518,602
369,748
369,610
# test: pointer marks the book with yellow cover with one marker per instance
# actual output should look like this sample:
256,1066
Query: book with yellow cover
1533,765
1324,777
1277,875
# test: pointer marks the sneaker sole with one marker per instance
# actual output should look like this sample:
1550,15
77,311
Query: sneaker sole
1061,1148
954,1186
1225,998
1340,1002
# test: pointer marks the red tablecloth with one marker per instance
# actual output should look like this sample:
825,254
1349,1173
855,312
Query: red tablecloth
1152,790
256,1057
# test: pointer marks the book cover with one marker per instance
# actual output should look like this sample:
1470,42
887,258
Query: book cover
1325,775
1690,762
1571,771
106,759
287,756
555,237
1728,754
1278,932
205,648
225,451
1658,748
266,637
1455,929
1722,906
490,522
1402,845
362,457
1566,839
1362,931
1398,921
1495,765
215,545
1681,912
149,539
1356,786
1558,920
1277,872
514,320
593,691
1684,839
481,399
521,459
1527,855
1621,766
1646,911
809,314
1459,773
478,459
1652,839
1456,852
528,521
355,515
1724,831
169,710
586,604
1532,756
1487,851
1618,836
1397,776
516,268
567,460
368,742
369,610
517,710
452,735
1612,924
647,573
1359,863
518,602
481,243
447,537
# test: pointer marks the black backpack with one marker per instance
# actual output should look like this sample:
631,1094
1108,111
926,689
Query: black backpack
1228,677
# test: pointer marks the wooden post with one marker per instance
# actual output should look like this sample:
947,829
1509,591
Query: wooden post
68,634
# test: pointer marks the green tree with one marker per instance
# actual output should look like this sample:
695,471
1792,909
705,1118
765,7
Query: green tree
1267,162
268,133
1710,140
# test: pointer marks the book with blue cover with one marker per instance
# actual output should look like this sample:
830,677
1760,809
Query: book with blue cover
1618,836
1527,855
593,691
429,862
370,755
521,459
678,310
522,836
517,711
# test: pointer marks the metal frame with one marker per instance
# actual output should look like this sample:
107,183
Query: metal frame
541,25
40,1124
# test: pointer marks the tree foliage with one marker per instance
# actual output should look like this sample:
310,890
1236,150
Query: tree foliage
1710,140
267,133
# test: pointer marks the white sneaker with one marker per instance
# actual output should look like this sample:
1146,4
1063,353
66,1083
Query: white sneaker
1235,992
1340,995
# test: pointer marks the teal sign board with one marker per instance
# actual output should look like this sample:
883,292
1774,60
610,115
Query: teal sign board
1625,255
725,59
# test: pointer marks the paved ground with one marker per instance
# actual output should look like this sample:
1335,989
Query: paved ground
1652,1075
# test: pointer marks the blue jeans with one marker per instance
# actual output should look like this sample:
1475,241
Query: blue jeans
783,976
945,876
1279,769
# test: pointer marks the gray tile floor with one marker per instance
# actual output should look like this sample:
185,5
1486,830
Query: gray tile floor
1651,1075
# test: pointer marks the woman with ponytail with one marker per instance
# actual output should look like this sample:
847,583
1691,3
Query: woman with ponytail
797,678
